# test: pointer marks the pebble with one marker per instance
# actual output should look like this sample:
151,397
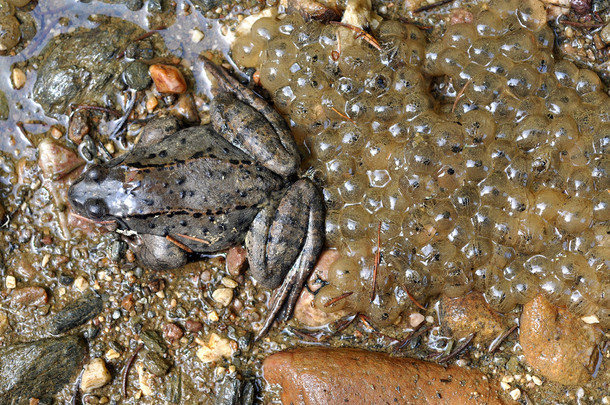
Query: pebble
196,35
55,160
223,296
172,332
216,348
3,322
136,76
461,316
10,282
193,326
320,375
515,394
153,341
605,34
415,319
35,296
81,283
76,313
40,368
146,380
154,363
229,282
167,79
236,261
18,77
557,343
95,375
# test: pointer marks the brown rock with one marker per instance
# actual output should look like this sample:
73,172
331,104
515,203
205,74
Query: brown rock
352,376
172,332
237,257
168,79
193,326
57,161
556,342
79,126
36,296
461,316
128,302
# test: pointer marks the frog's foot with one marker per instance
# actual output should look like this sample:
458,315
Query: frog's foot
283,246
157,252
251,124
158,129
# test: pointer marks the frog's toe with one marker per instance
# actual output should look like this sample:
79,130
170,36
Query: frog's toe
157,253
283,246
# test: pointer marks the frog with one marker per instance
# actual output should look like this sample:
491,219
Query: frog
181,194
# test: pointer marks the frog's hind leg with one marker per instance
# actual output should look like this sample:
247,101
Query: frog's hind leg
158,129
283,246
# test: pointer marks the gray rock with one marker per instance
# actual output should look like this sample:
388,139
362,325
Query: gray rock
154,363
39,369
153,341
136,76
233,391
605,34
76,313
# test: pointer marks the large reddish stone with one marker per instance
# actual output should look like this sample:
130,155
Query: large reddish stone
320,376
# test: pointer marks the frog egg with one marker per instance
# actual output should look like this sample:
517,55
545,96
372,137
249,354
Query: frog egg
449,137
422,158
408,79
344,274
323,146
505,230
482,221
457,276
376,152
282,98
405,52
501,152
417,227
280,50
500,65
518,45
499,296
532,132
246,51
522,80
452,61
340,168
504,8
504,108
479,126
483,50
459,36
355,61
326,299
372,201
488,23
532,234
360,108
566,73
265,28
328,37
580,153
306,112
539,266
478,251
545,38
273,76
554,289
393,29
518,199
353,188
415,104
601,139
524,288
601,173
388,107
443,217
580,183
531,14
466,199
574,216
290,24
431,63
384,310
354,222
563,132
601,206
333,229
477,164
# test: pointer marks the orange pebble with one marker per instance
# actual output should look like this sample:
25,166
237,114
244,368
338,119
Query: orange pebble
168,79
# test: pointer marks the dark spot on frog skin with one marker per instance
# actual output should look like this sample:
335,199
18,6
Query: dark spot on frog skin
182,194
163,154
183,223
212,156
234,161
149,202
197,155
183,141
191,193
240,207
243,194
165,185
152,225
180,181
209,149
197,215
152,156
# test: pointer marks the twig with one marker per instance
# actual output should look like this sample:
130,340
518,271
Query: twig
337,299
361,33
205,242
581,25
459,95
343,115
178,243
417,333
412,298
127,367
496,343
377,259
431,6
457,350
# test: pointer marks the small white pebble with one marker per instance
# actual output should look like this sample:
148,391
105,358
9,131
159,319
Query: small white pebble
160,294
462,362
430,319
45,260
505,386
112,354
606,400
62,291
590,319
10,282
415,319
536,380
196,35
223,296
515,394
95,375
18,77
229,282
213,316
528,377
81,284
508,379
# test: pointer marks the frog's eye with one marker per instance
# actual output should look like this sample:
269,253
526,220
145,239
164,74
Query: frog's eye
96,208
96,173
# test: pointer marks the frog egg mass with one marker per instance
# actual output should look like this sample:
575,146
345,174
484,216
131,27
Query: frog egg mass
475,162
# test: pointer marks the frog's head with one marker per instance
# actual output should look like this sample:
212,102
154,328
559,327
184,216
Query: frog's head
93,193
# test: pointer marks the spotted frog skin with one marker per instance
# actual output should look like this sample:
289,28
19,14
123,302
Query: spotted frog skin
203,189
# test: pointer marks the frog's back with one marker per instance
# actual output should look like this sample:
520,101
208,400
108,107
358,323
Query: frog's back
195,183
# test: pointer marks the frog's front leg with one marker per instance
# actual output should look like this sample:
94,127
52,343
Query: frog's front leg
157,252
251,124
283,245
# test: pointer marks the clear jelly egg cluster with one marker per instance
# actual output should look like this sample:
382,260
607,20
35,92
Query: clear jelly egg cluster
475,162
